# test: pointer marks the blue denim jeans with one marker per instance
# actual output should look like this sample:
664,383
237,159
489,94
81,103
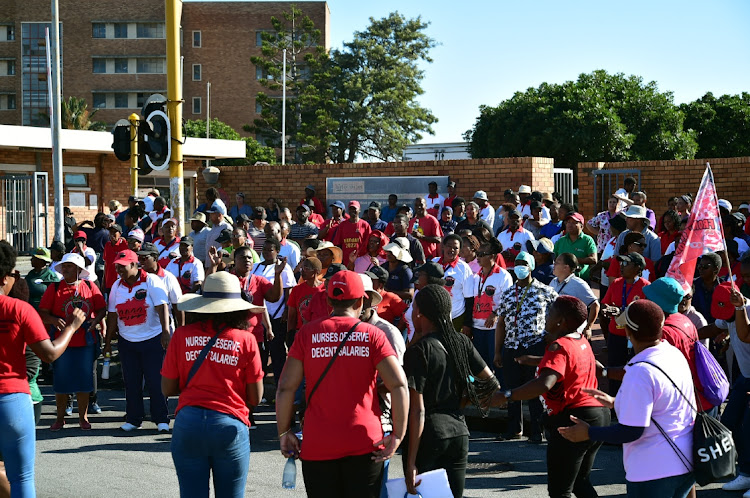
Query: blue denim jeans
666,487
18,442
204,442
736,417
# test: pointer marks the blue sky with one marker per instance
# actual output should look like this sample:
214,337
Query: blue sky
491,49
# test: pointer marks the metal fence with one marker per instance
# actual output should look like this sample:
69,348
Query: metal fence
24,204
564,183
607,182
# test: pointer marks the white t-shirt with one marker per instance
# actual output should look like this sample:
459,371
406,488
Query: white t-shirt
741,349
742,246
174,293
292,254
275,310
408,318
621,206
89,254
436,203
189,272
525,210
609,251
645,394
213,234
459,282
167,253
488,214
137,319
508,239
496,282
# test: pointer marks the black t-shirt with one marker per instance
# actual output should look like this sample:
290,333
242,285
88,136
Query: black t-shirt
430,372
465,225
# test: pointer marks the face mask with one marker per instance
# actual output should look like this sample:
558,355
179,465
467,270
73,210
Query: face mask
522,272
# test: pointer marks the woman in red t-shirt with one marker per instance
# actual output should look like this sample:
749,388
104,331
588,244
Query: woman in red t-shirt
20,325
567,368
671,229
210,434
72,371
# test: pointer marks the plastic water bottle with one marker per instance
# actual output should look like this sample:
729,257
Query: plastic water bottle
105,367
289,479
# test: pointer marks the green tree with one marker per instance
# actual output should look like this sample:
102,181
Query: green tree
599,117
377,88
254,151
722,124
75,115
309,94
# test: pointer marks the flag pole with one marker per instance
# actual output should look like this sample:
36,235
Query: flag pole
721,226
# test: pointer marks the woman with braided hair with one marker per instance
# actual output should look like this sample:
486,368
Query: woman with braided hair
564,374
441,365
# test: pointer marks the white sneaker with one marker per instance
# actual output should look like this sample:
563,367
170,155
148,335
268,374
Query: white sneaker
162,427
740,483
127,427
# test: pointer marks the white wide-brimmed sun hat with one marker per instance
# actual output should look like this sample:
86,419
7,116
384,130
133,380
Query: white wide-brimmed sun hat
400,252
374,295
77,260
221,294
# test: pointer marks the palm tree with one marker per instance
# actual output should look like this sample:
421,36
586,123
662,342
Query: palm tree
74,115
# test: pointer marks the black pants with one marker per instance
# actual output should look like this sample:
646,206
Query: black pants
516,375
354,476
450,454
618,355
277,347
569,464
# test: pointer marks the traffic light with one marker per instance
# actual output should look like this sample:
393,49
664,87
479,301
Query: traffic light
155,130
121,139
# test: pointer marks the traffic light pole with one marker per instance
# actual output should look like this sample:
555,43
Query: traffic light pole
133,118
174,111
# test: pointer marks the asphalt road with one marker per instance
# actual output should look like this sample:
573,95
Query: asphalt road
108,462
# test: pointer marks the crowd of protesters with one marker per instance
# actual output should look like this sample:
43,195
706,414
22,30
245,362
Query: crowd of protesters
394,316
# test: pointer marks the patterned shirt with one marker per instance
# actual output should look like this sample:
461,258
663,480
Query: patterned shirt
601,221
524,311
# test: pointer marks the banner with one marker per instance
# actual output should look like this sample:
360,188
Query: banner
704,233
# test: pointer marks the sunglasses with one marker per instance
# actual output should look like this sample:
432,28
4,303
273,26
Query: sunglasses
483,254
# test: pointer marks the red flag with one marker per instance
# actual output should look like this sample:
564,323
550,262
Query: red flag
704,233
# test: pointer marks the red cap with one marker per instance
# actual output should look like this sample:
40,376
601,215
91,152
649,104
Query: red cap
576,216
346,285
721,305
126,257
80,234
355,204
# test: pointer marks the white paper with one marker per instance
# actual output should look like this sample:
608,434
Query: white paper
77,199
434,485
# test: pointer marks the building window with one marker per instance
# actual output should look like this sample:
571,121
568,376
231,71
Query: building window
196,72
258,108
121,66
100,100
196,105
261,74
150,30
99,66
151,65
121,30
10,33
12,101
121,100
98,30
11,68
197,39
76,180
34,91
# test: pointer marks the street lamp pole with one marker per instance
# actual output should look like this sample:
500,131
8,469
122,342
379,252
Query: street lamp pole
283,111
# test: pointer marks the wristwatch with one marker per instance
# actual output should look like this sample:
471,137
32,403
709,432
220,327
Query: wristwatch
604,372
508,393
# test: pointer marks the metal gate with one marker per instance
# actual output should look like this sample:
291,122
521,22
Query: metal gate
608,181
564,183
25,201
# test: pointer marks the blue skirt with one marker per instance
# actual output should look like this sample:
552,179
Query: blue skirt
73,371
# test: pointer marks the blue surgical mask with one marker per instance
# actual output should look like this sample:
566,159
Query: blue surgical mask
522,272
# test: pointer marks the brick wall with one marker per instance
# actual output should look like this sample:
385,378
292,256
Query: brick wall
287,183
664,179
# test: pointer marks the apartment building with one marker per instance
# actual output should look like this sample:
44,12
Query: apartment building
114,56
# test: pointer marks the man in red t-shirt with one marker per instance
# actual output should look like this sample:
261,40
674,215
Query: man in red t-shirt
352,235
425,228
116,244
678,330
302,294
342,421
391,307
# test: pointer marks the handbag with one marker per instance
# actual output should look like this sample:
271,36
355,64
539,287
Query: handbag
434,485
714,451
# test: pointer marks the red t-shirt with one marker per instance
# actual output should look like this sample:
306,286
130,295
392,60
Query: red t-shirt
61,302
344,416
352,237
20,325
219,383
110,253
429,226
391,307
574,362
615,271
317,308
332,226
316,219
257,287
300,297
680,332
614,297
